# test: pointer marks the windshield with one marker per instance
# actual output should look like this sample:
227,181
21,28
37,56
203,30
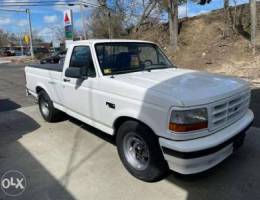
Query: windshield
125,57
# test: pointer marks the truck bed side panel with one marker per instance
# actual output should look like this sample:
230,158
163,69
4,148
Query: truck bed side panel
49,80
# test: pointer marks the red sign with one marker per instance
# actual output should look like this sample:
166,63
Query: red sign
66,18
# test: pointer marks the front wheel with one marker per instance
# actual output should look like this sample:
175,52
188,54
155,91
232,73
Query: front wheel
139,151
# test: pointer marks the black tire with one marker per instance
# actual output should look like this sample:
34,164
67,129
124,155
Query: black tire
156,167
53,114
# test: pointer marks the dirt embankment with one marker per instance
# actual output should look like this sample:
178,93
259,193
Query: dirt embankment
202,45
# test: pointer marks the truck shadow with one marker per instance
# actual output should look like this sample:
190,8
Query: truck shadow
6,105
41,184
237,177
15,124
92,130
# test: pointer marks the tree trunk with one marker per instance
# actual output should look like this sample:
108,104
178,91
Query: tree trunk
226,18
110,27
173,23
253,23
106,12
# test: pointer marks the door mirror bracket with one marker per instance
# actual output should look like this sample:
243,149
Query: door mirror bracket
75,72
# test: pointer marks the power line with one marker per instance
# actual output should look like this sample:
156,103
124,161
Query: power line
39,2
42,5
48,2
11,10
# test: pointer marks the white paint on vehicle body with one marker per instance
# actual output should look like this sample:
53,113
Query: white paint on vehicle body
147,96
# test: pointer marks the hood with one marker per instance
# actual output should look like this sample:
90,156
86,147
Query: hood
190,87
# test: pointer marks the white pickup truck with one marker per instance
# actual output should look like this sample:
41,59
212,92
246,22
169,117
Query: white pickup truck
161,117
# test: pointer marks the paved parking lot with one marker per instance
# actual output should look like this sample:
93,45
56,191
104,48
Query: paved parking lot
12,87
70,160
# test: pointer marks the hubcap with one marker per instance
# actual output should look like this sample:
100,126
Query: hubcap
44,107
136,151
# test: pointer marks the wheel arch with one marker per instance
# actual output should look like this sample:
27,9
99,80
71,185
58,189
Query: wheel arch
122,119
40,88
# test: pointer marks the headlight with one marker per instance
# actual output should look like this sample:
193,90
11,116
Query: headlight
188,120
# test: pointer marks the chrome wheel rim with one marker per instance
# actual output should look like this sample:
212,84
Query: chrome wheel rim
136,151
44,107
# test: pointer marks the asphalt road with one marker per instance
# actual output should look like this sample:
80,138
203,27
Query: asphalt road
70,160
12,88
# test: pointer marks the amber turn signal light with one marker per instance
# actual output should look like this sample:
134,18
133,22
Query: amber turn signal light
187,127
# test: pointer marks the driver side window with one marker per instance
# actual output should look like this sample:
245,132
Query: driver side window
80,58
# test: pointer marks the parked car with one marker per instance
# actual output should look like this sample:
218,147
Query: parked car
55,58
162,117
6,51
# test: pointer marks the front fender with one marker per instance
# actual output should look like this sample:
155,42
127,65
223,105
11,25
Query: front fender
152,116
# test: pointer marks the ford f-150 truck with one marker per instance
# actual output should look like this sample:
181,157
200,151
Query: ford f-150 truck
161,117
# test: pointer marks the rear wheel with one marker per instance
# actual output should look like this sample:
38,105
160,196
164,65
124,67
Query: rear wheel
140,152
48,112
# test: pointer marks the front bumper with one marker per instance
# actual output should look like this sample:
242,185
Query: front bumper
197,155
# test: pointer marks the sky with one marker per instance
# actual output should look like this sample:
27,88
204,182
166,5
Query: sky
44,19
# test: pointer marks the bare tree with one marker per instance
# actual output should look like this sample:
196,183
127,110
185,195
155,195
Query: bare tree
226,18
235,16
253,23
149,7
173,23
104,26
106,14
3,38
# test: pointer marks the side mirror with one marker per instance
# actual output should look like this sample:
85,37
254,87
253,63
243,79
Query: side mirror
73,72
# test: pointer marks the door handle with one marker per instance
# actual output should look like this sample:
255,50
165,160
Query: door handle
66,80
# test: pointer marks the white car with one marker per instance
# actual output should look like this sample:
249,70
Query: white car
162,117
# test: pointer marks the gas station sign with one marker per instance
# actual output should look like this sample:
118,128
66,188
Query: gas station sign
68,24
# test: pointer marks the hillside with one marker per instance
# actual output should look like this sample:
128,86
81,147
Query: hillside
202,45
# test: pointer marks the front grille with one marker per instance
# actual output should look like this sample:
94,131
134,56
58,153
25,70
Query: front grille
228,111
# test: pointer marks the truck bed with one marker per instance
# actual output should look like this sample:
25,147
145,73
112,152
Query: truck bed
52,67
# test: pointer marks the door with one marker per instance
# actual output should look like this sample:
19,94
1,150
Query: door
77,92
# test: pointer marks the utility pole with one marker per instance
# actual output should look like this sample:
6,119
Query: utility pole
83,21
30,31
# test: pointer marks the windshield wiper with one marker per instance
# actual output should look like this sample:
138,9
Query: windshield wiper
152,68
125,71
